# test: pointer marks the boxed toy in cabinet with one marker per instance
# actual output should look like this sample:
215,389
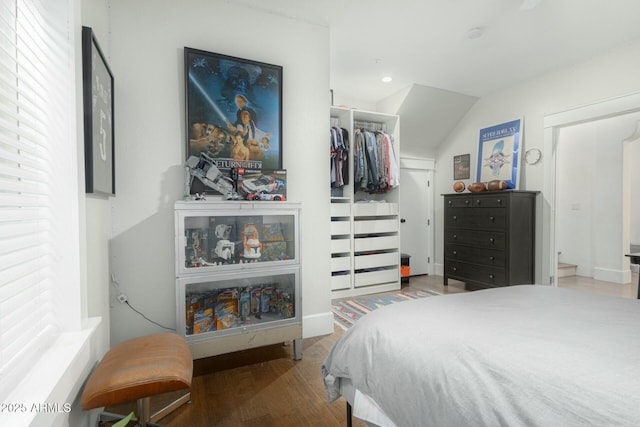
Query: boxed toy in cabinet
233,307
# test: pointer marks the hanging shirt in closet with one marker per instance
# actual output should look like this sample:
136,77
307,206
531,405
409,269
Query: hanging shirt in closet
339,146
375,162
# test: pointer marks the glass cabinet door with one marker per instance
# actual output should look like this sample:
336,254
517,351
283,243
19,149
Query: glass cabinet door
225,304
213,241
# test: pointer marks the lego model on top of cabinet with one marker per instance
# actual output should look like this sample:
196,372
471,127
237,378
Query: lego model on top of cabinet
238,275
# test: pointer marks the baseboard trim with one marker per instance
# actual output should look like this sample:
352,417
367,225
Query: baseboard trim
609,275
317,325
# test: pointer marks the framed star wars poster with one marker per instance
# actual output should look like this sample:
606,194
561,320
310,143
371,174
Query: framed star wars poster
233,113
499,153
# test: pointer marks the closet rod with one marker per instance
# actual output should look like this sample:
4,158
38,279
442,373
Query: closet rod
370,126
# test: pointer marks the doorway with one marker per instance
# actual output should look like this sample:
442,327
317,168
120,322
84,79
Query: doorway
416,214
610,235
592,234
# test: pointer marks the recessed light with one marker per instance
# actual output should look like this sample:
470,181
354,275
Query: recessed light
386,79
529,4
475,33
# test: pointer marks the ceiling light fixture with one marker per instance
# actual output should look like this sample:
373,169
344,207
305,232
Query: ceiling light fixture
386,79
529,4
475,33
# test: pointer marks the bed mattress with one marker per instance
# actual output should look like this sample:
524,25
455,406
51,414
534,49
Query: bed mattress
526,355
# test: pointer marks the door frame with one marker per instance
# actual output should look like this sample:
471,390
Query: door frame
429,166
611,107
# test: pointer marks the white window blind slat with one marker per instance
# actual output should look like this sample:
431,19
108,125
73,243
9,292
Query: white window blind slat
22,158
18,229
22,186
21,276
24,174
14,215
19,243
21,139
26,200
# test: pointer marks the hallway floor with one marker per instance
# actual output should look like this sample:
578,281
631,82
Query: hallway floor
627,290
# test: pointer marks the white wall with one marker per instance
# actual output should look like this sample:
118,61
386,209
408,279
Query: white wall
147,41
612,74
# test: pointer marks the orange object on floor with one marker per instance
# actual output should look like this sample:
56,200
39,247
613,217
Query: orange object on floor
405,271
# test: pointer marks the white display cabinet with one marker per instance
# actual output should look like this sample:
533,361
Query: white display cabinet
365,237
238,275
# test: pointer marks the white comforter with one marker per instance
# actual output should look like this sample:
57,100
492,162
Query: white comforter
516,356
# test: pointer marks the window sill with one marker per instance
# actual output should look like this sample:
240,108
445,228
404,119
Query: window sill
46,396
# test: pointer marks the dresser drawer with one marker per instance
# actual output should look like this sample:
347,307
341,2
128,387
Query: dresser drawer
475,273
478,239
459,202
488,257
490,218
494,200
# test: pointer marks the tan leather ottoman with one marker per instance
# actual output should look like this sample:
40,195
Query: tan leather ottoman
140,368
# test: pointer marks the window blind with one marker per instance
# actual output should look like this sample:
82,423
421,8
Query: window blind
36,100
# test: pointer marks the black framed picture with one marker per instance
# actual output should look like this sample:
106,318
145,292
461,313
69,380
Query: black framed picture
462,166
233,113
98,118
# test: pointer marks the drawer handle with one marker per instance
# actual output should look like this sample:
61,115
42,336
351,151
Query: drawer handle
492,240
455,236
492,258
466,202
478,201
455,252
450,202
454,269
455,217
499,201
492,218
491,276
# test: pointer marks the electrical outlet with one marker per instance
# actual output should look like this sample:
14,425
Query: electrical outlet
122,298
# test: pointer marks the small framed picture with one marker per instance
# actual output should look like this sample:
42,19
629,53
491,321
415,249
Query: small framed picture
462,166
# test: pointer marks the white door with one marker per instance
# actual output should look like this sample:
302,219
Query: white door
416,207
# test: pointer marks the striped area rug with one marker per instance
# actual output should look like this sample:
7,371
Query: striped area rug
346,312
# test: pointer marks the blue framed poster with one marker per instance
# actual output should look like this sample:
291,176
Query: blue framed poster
499,153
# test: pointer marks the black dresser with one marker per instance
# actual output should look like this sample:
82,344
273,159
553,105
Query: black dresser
489,237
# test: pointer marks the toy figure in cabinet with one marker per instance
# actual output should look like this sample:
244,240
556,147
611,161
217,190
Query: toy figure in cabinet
251,241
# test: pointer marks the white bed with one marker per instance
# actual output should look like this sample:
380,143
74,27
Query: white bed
526,355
